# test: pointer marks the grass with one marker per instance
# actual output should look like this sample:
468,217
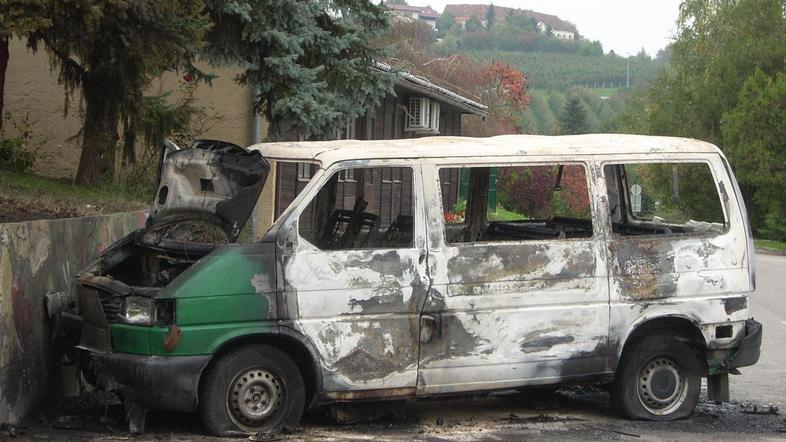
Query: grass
53,193
504,215
768,244
605,92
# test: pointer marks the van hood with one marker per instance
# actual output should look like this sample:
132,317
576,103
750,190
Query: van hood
210,184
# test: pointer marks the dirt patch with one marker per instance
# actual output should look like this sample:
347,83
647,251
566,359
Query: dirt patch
15,211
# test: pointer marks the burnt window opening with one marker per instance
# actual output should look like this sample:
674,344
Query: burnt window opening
162,194
520,203
364,212
663,199
206,185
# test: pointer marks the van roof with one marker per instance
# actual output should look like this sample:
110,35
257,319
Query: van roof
328,152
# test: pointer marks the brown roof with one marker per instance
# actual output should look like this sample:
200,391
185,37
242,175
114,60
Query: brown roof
555,22
423,11
480,11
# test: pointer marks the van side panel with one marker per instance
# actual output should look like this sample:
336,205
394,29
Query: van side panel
514,313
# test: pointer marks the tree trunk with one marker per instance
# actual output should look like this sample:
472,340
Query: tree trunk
99,136
3,66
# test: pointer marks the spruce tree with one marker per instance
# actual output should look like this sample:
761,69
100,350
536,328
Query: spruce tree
311,63
573,120
491,16
108,51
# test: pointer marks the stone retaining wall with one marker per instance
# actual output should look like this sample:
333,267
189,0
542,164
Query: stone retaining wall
37,257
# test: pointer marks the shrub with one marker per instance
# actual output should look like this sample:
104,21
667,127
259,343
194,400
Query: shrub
17,153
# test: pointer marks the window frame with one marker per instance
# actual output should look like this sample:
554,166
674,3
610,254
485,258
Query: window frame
585,163
690,160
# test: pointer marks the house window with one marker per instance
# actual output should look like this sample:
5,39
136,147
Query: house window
434,114
303,171
347,175
392,175
423,115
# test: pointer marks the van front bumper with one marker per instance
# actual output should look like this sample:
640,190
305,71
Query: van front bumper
153,382
745,354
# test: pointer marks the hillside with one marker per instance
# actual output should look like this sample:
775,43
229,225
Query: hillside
601,105
556,67
562,70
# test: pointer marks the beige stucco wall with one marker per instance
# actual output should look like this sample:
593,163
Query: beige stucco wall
266,205
32,89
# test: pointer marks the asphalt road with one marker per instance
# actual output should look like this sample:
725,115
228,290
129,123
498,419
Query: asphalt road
571,414
766,381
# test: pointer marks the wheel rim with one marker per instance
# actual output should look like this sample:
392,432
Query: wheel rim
254,398
662,386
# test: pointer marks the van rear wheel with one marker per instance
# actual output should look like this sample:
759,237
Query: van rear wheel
252,389
658,378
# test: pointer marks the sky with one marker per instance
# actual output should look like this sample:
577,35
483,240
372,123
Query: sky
625,26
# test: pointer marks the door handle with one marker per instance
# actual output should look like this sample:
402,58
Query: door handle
430,327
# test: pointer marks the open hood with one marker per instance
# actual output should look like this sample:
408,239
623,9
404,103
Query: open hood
210,184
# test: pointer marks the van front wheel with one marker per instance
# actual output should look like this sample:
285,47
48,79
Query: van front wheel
658,378
252,389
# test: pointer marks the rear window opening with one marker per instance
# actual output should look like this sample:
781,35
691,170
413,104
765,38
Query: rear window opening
663,198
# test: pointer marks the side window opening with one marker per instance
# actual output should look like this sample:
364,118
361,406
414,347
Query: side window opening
663,199
362,208
482,204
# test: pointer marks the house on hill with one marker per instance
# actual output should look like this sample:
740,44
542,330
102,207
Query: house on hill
423,13
545,22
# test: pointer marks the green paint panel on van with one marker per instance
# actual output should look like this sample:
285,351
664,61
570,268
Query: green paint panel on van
194,340
225,295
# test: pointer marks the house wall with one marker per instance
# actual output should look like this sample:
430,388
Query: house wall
32,89
37,257
565,35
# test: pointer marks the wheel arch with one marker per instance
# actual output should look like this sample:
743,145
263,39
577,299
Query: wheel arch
682,326
288,341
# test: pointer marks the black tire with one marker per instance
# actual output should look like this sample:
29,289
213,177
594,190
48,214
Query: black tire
658,379
269,381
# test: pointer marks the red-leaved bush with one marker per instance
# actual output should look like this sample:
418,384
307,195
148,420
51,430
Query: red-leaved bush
531,191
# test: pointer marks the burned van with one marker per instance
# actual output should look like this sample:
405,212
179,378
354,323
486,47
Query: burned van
423,267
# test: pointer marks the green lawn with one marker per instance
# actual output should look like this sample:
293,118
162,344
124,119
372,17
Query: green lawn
767,244
605,92
54,195
504,215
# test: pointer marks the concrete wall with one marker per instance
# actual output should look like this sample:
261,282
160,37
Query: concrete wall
36,257
31,89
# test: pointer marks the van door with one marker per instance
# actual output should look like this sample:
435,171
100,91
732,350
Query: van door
520,290
678,242
353,276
